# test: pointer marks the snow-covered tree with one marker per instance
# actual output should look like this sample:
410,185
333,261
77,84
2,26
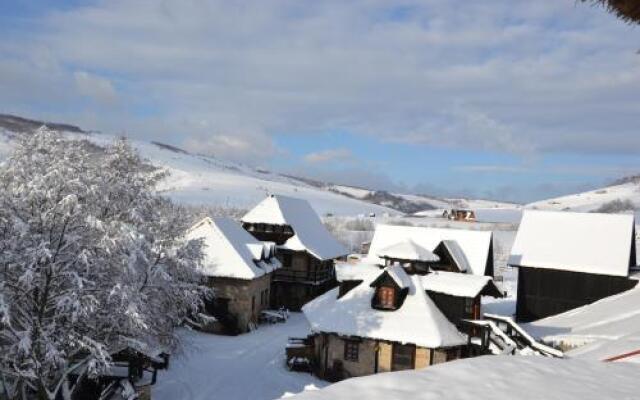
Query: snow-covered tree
90,258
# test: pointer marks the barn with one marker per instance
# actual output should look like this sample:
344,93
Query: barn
566,260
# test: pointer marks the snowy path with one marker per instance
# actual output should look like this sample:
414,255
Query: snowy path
249,366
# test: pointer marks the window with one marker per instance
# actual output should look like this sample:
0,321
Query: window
468,306
403,357
386,297
351,350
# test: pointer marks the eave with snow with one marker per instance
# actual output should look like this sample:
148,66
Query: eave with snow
567,260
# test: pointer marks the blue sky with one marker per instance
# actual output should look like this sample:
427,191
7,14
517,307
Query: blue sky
509,100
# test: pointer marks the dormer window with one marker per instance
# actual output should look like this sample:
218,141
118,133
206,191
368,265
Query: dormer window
391,288
387,297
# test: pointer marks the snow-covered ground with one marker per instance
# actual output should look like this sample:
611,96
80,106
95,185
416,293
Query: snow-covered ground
593,199
601,330
495,378
245,367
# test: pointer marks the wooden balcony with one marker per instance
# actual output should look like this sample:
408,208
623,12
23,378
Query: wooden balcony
314,277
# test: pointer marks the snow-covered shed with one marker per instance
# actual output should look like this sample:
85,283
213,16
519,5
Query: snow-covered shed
305,247
457,250
238,267
569,259
386,322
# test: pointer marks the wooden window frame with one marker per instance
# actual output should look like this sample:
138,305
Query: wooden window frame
351,350
387,297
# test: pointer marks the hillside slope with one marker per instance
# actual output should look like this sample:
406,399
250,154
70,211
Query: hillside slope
621,197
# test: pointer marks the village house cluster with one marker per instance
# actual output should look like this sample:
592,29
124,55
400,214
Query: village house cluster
415,297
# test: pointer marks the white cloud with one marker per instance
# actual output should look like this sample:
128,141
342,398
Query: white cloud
95,87
330,155
518,77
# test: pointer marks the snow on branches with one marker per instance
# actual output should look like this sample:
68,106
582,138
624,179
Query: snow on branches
90,258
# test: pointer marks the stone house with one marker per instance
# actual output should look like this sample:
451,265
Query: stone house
404,305
379,320
306,249
239,268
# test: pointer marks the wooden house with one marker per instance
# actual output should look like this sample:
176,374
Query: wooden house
240,270
394,316
566,260
384,322
305,248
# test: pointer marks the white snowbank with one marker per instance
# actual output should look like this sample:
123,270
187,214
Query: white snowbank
493,378
609,327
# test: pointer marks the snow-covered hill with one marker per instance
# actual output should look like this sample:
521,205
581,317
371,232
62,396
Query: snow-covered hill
621,197
418,204
203,180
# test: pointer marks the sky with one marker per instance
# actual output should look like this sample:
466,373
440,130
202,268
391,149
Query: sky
502,99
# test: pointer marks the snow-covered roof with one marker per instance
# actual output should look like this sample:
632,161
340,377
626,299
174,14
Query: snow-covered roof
474,244
230,251
399,276
458,255
456,284
417,321
407,250
309,232
578,242
355,272
495,378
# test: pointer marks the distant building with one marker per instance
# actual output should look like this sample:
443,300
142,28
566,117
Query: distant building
239,268
567,260
460,215
305,247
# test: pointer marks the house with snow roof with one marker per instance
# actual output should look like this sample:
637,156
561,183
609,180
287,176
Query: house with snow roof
306,249
566,260
391,319
239,268
454,250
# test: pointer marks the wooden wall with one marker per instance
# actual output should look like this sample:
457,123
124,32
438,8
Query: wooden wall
546,292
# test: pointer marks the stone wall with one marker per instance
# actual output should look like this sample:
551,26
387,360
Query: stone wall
372,354
247,298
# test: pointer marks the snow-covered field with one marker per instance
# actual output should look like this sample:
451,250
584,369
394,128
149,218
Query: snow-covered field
592,200
245,367
604,329
495,378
